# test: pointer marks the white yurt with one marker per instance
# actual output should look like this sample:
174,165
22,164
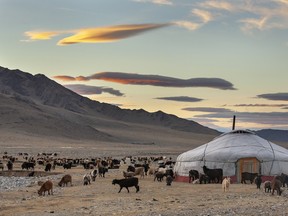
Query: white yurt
235,152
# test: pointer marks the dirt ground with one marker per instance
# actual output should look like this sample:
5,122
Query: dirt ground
154,198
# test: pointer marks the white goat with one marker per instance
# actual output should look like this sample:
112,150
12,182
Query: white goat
226,184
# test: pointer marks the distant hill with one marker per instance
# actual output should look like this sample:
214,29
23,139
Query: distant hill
273,135
35,105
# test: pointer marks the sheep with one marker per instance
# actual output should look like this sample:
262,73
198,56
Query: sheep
276,185
267,186
47,186
226,184
130,182
128,174
87,179
65,179
169,180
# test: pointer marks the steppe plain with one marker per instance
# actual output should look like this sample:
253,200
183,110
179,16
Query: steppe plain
102,198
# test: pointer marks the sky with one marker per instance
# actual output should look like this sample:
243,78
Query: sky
200,60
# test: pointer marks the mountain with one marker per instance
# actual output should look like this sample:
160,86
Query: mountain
273,135
34,105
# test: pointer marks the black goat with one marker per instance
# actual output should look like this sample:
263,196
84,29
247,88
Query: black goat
215,175
193,175
129,182
248,176
258,181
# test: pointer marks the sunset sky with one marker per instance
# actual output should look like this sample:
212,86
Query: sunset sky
200,60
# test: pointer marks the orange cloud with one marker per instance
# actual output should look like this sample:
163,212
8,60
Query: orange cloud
108,34
95,35
38,35
153,80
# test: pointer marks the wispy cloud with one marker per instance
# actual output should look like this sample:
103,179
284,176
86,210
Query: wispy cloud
160,2
153,80
187,24
90,90
222,5
96,35
269,118
207,109
204,15
274,96
42,35
260,105
180,99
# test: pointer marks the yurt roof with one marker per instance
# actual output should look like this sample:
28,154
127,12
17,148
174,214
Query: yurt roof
231,146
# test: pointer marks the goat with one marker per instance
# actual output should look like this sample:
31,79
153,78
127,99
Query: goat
159,176
130,182
87,179
139,171
93,174
258,181
267,186
65,179
48,167
213,174
47,186
226,184
128,174
193,175
169,180
248,176
276,185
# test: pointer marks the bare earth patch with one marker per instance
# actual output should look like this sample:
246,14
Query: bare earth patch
154,198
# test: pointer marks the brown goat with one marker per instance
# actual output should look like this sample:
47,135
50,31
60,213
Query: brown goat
47,186
65,179
276,185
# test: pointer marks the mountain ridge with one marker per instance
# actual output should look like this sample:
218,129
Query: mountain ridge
42,102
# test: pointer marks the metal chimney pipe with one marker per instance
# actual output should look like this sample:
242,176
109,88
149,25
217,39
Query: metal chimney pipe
234,119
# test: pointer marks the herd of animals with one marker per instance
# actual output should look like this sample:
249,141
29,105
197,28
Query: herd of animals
94,167
139,166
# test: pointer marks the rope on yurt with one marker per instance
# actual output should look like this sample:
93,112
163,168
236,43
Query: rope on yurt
204,154
273,157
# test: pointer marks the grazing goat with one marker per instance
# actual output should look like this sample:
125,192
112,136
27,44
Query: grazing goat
128,174
215,175
47,186
65,179
267,186
258,181
130,182
139,171
226,184
87,179
276,185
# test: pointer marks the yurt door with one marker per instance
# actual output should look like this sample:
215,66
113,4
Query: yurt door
250,165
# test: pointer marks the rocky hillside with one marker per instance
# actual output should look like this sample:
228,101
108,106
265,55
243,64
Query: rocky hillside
34,104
